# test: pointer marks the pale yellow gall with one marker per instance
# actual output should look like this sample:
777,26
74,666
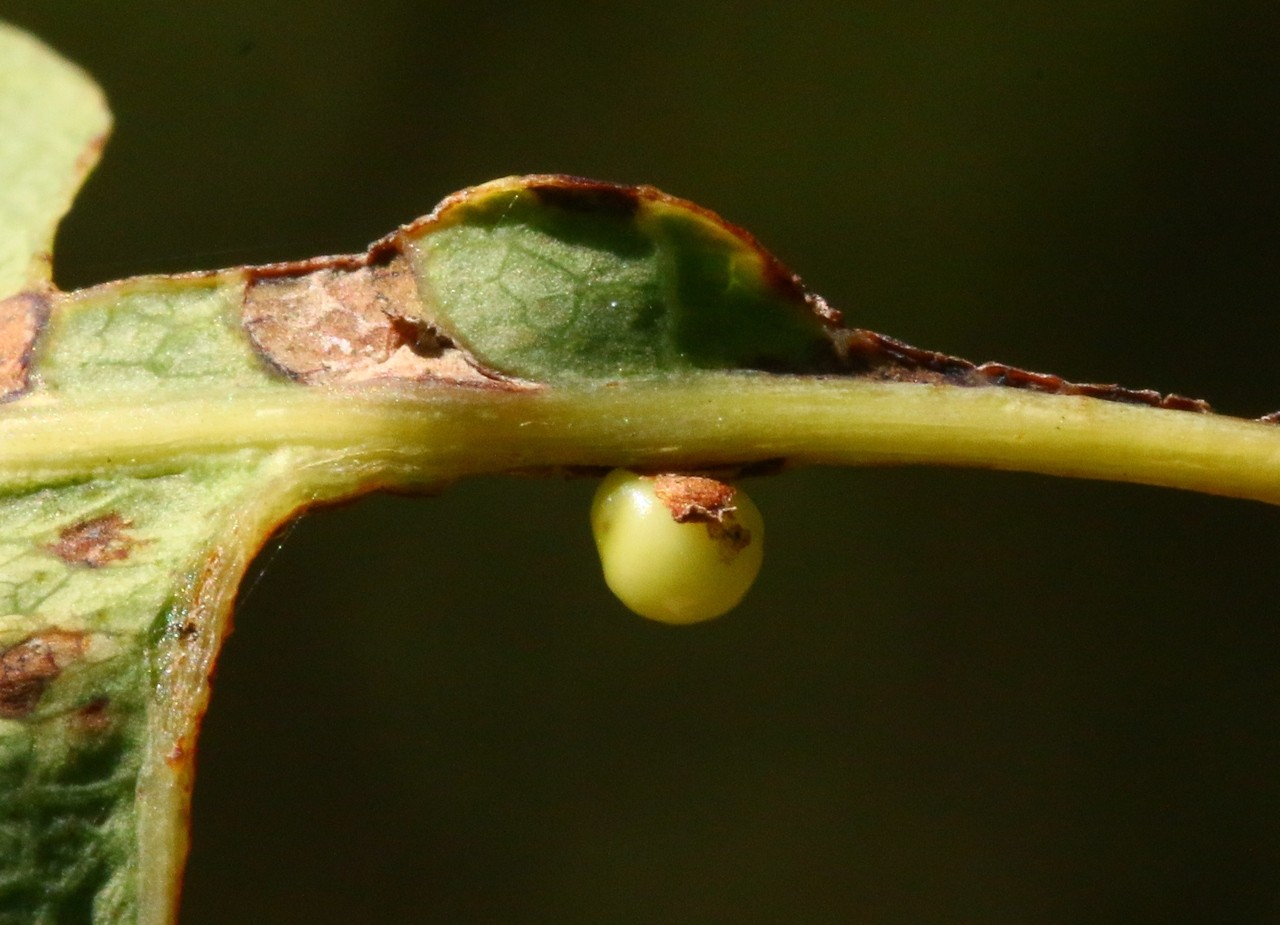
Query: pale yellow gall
678,549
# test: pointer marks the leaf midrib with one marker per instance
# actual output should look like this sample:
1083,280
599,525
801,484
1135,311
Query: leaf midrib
407,434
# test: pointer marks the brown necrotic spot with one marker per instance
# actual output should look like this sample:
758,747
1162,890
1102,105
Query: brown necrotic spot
694,498
349,323
21,318
94,542
875,356
578,194
29,667
92,719
1175,402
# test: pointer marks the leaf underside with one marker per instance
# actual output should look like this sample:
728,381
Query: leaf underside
129,506
154,431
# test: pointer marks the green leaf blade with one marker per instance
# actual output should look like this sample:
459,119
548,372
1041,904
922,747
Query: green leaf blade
151,335
53,123
97,619
561,280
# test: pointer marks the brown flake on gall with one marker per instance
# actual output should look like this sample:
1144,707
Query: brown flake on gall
696,499
95,542
21,319
693,498
30,666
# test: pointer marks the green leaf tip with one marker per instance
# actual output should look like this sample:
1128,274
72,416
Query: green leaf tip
555,278
53,124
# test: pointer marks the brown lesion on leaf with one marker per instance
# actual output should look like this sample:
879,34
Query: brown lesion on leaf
95,542
875,356
582,194
93,719
22,317
854,351
30,666
352,320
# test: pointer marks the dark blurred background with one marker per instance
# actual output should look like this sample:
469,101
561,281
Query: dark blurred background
953,696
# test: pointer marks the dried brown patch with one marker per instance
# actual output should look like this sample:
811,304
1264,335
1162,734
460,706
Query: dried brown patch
693,498
350,323
866,353
21,318
313,345
94,542
30,666
92,719
700,500
580,194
